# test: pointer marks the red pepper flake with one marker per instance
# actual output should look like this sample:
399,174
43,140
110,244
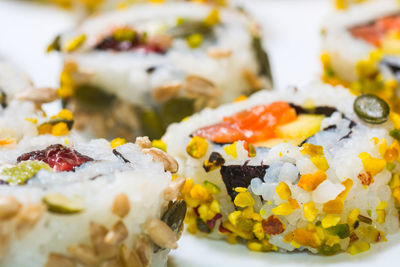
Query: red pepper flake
211,223
223,230
273,226
365,178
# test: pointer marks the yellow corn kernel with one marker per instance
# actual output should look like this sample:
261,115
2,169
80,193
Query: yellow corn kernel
396,194
60,129
240,189
310,182
158,143
255,246
376,140
194,40
283,209
75,43
392,152
353,216
244,199
231,150
199,192
372,165
283,191
212,18
232,239
187,186
395,181
65,114
310,212
358,247
116,142
33,120
333,206
191,202
341,4
258,231
197,147
215,207
320,162
205,212
293,203
233,218
7,141
382,147
332,240
348,184
320,232
312,150
395,117
330,220
45,128
306,238
288,238
240,98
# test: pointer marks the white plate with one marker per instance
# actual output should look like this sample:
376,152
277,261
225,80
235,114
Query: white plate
291,29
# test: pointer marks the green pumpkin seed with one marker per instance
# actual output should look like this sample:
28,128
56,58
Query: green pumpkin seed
58,203
21,173
371,109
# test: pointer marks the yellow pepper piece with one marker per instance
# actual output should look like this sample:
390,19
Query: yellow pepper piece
199,192
320,162
75,43
392,152
333,206
65,114
117,142
60,129
231,150
187,186
310,182
358,247
283,209
258,231
212,18
306,238
7,141
158,143
396,194
312,150
372,165
283,191
330,220
310,212
33,120
244,199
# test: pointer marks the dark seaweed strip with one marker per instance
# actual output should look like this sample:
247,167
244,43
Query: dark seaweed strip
262,57
3,98
120,156
240,176
2,182
327,111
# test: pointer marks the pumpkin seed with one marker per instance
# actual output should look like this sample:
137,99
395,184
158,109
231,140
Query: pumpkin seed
371,109
58,203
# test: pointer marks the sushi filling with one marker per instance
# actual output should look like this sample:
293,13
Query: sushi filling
252,184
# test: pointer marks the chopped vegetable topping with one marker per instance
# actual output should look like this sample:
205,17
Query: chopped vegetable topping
58,203
197,147
75,43
213,162
194,40
283,191
58,157
310,182
371,109
273,226
372,165
116,142
22,172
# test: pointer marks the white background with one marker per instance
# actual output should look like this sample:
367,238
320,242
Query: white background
291,32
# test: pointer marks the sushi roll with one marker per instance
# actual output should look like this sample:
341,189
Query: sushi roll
133,72
309,169
20,108
361,46
65,202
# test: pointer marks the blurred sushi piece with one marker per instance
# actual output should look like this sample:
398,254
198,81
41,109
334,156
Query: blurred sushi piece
311,168
64,202
361,48
133,72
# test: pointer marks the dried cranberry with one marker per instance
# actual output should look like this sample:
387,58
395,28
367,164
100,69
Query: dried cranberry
211,223
58,157
223,230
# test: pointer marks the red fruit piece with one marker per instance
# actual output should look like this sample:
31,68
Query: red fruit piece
58,157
